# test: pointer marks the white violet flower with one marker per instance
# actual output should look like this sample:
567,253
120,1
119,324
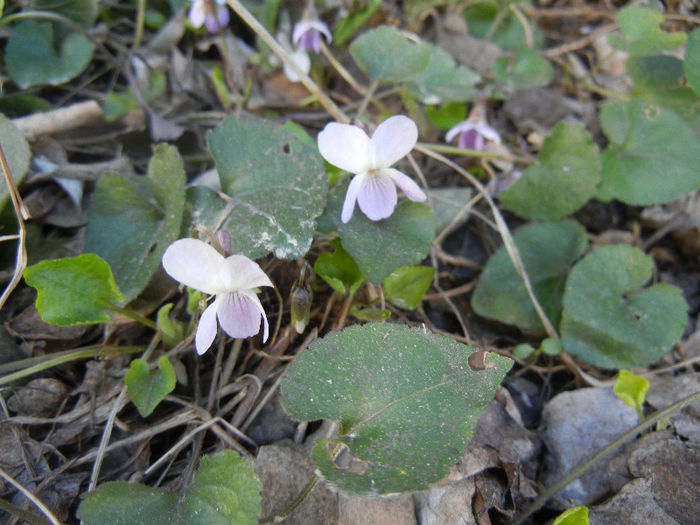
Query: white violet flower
233,280
307,35
474,132
374,184
210,13
299,57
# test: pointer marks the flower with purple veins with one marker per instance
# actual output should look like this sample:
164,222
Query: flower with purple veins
307,35
233,280
210,13
374,185
474,132
473,136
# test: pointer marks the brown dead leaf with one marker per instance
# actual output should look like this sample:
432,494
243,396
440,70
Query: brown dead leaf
40,397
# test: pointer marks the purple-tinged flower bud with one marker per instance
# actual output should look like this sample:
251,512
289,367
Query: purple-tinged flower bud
307,35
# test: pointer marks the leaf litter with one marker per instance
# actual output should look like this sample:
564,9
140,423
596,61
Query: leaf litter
51,425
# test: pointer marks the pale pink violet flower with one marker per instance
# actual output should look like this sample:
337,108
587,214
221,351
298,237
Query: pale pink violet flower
374,185
210,13
474,132
233,280
307,35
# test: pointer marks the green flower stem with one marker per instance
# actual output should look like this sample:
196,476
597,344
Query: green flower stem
37,364
140,19
132,315
612,447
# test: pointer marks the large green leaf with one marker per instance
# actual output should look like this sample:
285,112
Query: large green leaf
608,321
652,157
641,32
379,247
73,291
226,490
548,251
33,57
567,173
17,153
275,186
443,80
386,54
406,402
132,221
659,79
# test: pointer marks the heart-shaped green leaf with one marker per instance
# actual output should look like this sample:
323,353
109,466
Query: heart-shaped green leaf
225,490
406,402
433,77
32,58
567,172
631,389
132,221
379,247
652,157
443,80
548,251
608,321
275,186
146,390
406,286
73,291
339,269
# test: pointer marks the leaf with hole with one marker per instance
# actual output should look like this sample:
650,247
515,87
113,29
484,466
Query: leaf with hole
131,221
73,291
548,251
609,321
274,186
567,173
652,156
225,490
406,402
